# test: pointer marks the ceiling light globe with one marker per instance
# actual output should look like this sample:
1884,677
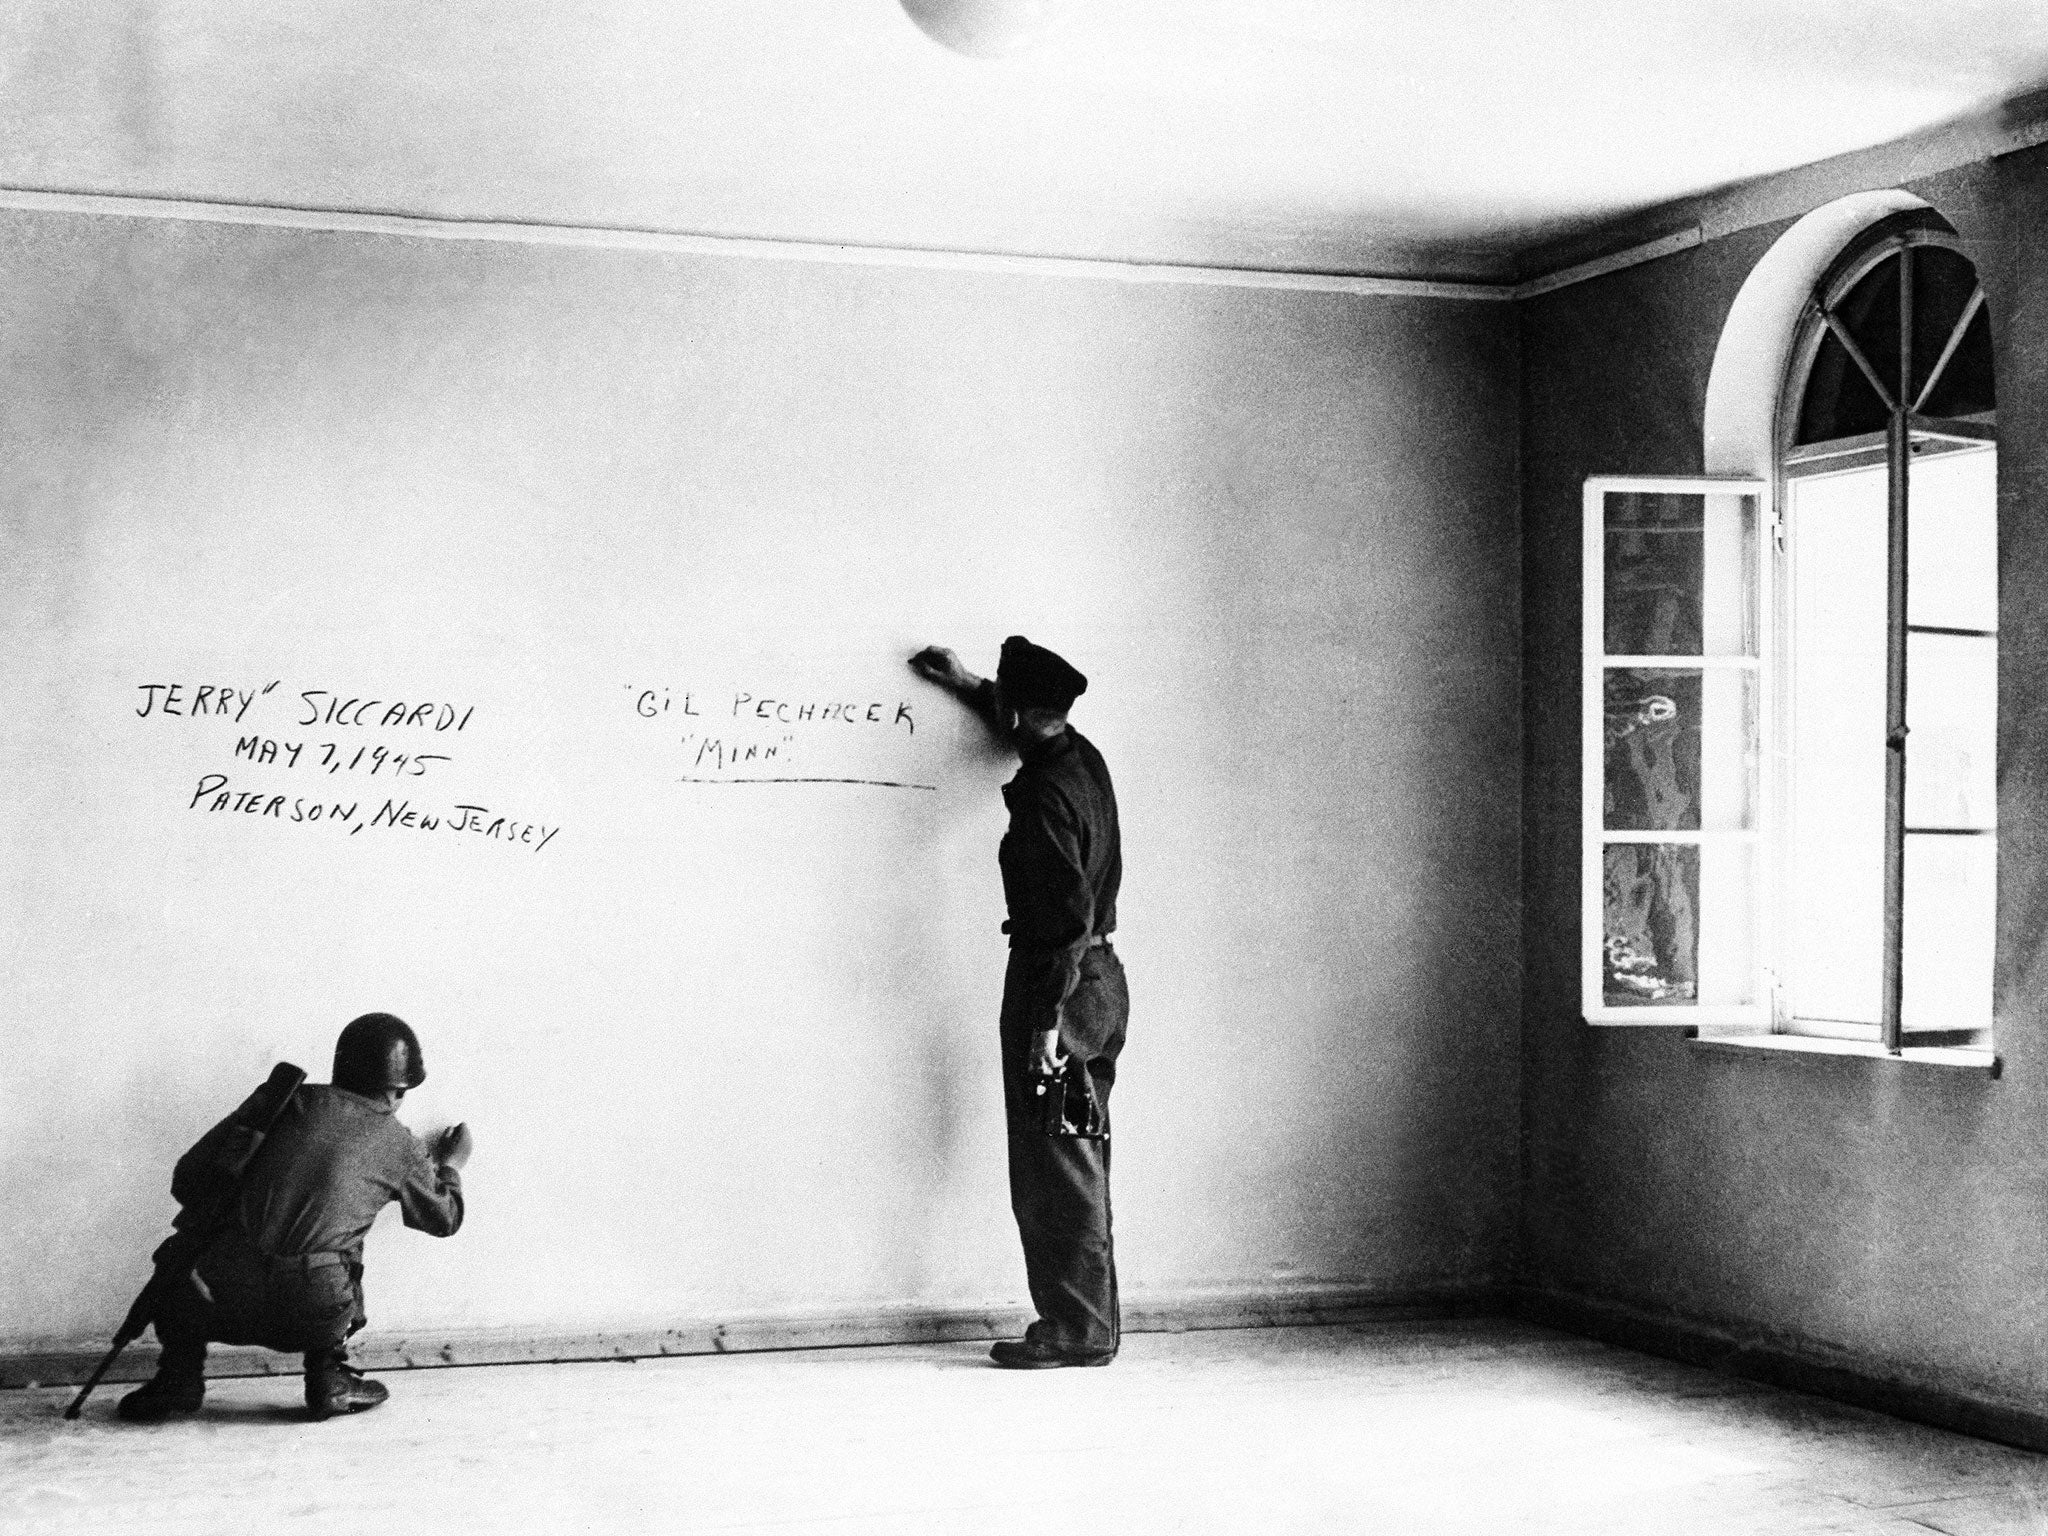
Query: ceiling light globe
984,29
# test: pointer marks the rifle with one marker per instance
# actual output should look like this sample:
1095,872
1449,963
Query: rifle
207,1191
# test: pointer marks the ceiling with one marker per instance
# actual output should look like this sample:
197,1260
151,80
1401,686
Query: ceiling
1358,136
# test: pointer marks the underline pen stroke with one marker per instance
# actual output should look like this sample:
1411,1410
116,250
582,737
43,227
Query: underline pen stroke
877,783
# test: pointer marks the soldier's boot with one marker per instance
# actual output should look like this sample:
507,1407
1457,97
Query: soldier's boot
177,1388
334,1386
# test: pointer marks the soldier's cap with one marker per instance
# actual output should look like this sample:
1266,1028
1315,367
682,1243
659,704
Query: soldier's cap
1034,678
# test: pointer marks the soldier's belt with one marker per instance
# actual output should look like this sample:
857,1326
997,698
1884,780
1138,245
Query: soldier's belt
303,1262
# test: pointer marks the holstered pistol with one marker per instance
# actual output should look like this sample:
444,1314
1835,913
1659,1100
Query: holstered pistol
1067,1105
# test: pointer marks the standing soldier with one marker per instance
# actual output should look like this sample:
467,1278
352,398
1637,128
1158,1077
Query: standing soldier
1065,1003
286,1271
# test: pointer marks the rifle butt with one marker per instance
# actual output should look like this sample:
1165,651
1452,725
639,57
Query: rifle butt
78,1403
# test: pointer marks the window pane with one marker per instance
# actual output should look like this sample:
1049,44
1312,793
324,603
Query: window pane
1870,314
1652,894
1951,886
1952,746
1680,924
1727,952
1680,574
1680,749
1966,383
1839,401
1952,532
1832,946
1656,556
1943,281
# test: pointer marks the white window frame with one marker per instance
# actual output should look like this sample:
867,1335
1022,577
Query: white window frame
1893,448
1753,1017
1797,465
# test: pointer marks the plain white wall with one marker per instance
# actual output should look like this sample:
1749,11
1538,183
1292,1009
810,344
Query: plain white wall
731,1050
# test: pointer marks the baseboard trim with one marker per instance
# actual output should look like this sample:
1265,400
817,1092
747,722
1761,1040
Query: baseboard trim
1796,1364
1777,1360
69,1362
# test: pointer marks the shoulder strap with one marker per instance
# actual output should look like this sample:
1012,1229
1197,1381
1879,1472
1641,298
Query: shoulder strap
260,1112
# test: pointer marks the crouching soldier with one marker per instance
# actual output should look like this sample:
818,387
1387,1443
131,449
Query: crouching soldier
285,1268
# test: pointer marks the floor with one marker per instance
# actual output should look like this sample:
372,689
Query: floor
1411,1429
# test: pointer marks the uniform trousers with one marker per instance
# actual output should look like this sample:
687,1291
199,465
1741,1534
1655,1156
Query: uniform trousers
1059,1185
237,1294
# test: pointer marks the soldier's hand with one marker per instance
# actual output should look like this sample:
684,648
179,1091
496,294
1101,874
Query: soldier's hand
1046,1060
454,1145
936,664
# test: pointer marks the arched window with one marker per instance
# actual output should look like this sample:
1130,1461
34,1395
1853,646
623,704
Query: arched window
1887,649
1790,673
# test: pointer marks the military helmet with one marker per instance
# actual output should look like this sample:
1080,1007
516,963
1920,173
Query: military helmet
377,1052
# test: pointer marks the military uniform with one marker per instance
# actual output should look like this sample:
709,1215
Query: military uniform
1062,864
288,1275
269,1249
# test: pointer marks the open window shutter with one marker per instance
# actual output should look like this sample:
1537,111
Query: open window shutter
1673,698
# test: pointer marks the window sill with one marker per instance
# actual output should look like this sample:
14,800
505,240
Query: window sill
1948,1058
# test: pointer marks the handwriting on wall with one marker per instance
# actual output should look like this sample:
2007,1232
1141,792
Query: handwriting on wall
348,762
321,758
742,737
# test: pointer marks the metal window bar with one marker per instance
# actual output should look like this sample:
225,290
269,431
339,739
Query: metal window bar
1898,457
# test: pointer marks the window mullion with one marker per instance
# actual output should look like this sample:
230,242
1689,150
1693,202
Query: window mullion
1897,461
1905,390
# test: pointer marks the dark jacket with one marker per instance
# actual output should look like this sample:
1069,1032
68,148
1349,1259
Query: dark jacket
1062,862
331,1163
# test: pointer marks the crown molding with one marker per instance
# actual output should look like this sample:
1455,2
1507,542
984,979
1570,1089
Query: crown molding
1545,267
679,243
2018,123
